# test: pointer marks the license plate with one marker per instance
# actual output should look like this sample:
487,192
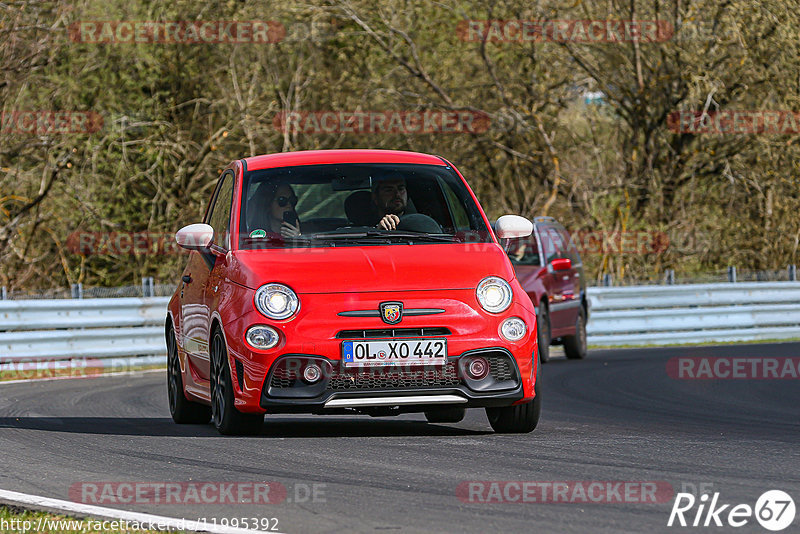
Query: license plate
383,352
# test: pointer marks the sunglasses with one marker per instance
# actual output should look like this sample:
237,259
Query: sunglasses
285,201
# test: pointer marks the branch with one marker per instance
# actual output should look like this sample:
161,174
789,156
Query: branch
47,183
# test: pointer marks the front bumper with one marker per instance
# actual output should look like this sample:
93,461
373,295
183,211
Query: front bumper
403,389
318,332
399,402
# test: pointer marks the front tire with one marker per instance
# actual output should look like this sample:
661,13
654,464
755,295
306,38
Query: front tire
183,411
575,346
543,331
519,419
227,419
445,415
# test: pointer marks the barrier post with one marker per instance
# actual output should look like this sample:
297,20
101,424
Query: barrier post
147,287
77,291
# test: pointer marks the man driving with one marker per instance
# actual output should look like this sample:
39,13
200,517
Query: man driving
390,196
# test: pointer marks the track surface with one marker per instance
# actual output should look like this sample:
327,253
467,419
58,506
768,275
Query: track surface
616,416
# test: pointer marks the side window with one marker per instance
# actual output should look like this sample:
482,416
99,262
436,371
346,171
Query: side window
553,246
572,250
560,242
220,216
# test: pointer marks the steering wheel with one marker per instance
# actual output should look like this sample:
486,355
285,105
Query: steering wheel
419,222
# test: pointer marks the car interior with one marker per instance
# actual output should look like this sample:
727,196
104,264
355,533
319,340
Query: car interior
338,198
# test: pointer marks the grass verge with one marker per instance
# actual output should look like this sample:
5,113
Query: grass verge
64,369
21,521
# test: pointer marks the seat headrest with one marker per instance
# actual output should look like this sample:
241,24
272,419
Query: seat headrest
360,210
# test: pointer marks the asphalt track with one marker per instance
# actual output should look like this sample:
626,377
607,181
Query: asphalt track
616,416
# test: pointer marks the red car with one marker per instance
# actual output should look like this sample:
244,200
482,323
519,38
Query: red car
550,270
349,281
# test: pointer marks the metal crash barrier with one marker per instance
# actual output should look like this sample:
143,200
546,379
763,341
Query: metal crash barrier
127,328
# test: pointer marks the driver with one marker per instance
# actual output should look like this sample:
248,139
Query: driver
390,196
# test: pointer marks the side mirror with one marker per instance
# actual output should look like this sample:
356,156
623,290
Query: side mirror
512,226
195,237
561,264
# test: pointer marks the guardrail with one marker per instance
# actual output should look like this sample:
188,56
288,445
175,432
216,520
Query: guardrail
662,315
119,329
109,328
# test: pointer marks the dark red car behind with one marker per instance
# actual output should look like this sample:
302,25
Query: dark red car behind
550,270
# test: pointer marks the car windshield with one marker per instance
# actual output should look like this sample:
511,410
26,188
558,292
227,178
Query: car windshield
343,204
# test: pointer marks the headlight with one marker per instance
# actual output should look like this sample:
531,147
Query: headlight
494,294
261,337
277,301
513,329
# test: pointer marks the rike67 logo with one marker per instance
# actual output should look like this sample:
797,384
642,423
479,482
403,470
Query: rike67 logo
774,510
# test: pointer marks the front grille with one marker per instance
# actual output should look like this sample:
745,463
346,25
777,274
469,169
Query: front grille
500,367
387,378
393,332
283,378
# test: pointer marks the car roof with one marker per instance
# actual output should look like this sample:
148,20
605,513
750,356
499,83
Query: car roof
321,157
547,221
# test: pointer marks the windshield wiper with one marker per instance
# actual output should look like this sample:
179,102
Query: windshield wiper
277,239
442,238
388,235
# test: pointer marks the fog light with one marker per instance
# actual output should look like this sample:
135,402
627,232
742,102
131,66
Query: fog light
312,373
478,368
262,337
513,329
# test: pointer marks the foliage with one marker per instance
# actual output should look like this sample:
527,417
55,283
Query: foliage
176,114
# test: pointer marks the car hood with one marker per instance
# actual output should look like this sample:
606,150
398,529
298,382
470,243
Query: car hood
357,269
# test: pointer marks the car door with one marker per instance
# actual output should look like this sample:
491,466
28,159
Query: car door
571,278
562,299
199,276
220,221
554,285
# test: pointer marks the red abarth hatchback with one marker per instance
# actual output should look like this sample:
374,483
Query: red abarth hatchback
349,281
